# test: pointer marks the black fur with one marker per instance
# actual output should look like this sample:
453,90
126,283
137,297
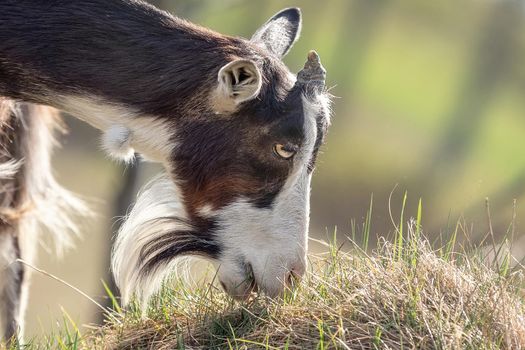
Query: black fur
199,240
124,51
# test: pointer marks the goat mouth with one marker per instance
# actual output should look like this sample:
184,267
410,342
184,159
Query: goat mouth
246,289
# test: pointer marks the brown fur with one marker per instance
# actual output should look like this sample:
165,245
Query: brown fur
221,191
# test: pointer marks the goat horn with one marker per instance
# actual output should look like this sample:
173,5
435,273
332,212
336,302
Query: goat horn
313,74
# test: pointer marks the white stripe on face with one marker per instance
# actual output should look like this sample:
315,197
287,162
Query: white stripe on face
272,241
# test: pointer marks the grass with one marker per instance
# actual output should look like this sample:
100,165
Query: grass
403,295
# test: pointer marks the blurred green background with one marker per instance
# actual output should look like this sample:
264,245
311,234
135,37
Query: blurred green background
430,99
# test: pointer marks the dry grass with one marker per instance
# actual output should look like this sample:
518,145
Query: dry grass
402,296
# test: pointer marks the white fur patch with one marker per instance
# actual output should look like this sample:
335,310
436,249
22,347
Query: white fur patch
273,241
321,104
206,211
56,210
9,169
147,222
150,136
116,141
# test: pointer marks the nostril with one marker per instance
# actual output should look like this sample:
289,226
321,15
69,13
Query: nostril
298,270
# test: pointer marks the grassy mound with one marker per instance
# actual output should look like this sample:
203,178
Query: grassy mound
403,295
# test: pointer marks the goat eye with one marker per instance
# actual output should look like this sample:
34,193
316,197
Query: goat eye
284,151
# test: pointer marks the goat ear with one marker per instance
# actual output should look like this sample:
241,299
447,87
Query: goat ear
280,32
238,81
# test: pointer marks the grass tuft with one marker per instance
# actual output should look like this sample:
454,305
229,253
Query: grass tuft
402,295
399,296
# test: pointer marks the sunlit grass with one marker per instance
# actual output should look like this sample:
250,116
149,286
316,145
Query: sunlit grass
404,294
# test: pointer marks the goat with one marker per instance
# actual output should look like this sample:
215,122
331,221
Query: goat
236,132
